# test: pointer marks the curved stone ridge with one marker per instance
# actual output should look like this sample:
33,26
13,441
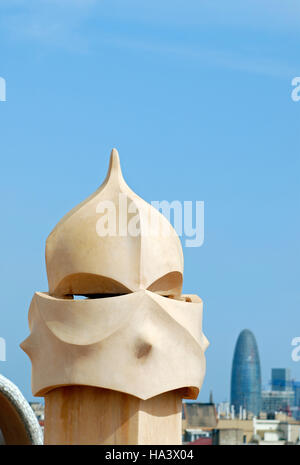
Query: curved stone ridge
114,243
17,401
142,343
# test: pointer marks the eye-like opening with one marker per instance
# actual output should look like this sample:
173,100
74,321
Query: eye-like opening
89,285
92,296
93,286
169,284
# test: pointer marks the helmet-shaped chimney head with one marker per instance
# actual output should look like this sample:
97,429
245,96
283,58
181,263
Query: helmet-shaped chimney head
113,243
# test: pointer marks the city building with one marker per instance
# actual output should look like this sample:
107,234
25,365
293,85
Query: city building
39,410
233,431
277,401
198,421
246,375
228,437
281,429
296,408
281,379
296,389
197,437
276,432
205,424
284,395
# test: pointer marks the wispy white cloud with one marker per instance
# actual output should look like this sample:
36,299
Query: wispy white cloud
57,3
220,58
65,24
253,14
267,14
53,22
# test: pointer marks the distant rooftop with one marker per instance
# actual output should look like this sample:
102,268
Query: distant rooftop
198,415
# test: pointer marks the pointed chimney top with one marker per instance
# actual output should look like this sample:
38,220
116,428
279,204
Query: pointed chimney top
114,243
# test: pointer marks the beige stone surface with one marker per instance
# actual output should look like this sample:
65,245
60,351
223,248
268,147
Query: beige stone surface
86,415
114,367
80,261
141,343
11,424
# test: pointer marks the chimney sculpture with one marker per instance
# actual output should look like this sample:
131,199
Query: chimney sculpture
113,367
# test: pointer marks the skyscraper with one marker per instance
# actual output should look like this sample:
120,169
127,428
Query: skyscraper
246,374
281,379
282,396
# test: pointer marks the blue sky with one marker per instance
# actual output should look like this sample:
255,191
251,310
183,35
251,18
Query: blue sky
196,96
